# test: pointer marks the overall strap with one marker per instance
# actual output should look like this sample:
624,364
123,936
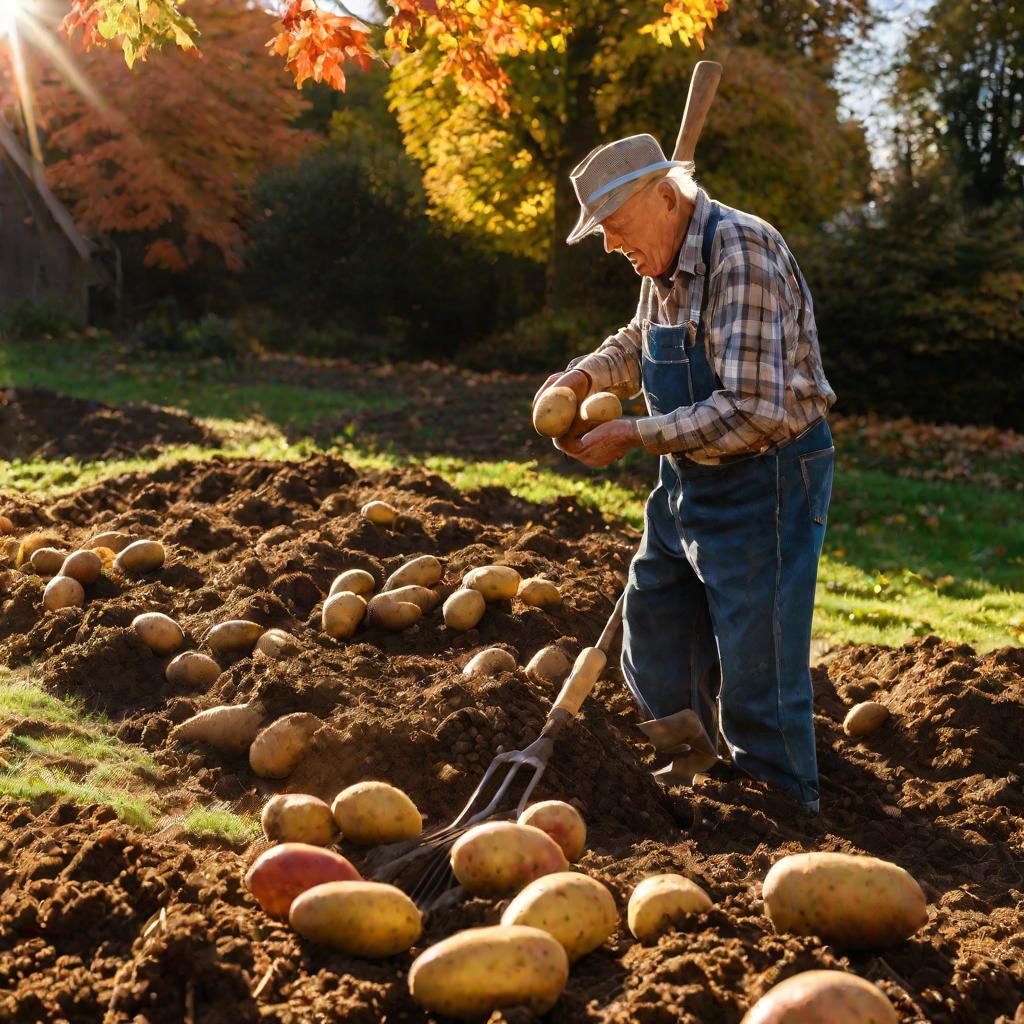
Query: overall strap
710,230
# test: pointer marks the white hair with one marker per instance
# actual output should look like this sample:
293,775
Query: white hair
684,180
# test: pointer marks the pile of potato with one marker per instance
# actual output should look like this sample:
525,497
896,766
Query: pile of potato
556,915
410,592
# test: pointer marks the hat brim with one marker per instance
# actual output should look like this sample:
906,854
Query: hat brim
590,221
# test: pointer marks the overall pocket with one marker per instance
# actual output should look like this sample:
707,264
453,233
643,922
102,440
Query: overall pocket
665,369
816,469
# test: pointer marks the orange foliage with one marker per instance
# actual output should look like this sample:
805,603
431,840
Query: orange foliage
171,147
316,44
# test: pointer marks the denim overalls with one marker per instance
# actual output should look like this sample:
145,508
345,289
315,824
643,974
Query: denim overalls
721,591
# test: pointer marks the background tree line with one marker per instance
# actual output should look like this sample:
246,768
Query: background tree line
409,218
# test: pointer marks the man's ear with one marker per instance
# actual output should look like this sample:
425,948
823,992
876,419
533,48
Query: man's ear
667,195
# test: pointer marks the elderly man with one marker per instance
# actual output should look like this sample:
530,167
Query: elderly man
717,614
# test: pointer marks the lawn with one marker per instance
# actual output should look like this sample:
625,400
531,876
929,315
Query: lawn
926,531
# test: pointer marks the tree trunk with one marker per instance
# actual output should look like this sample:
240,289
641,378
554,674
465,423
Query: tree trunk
570,267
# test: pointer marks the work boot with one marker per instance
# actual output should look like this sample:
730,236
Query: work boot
681,736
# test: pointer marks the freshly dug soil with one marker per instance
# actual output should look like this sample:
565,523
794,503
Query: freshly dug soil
36,423
99,922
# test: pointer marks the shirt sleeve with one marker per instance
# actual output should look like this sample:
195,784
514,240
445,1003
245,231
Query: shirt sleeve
615,364
752,310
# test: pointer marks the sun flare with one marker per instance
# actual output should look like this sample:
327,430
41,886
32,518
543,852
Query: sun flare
8,16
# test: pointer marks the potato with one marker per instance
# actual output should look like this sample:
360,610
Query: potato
424,598
141,556
33,542
562,822
600,407
864,719
850,901
368,919
664,903
490,662
463,610
424,571
554,412
192,669
373,813
112,539
298,818
283,872
236,636
577,910
823,997
6,526
159,632
495,582
84,566
379,513
499,857
47,561
228,727
472,973
384,612
282,745
342,614
63,592
355,581
277,644
539,593
549,666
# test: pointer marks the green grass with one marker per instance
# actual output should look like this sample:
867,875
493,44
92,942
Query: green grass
217,390
72,754
28,782
218,821
903,557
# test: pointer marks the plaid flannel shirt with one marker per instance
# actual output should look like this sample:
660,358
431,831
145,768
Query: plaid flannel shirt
760,336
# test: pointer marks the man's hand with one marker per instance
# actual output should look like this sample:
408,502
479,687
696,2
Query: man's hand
576,380
602,445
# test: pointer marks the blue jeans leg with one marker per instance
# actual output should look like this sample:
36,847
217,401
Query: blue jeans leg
669,656
754,533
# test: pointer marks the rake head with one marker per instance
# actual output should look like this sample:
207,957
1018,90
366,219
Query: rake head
424,863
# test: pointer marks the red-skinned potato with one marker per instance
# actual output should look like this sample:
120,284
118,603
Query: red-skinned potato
562,822
283,872
823,997
499,857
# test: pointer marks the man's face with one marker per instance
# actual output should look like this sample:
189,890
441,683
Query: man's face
648,229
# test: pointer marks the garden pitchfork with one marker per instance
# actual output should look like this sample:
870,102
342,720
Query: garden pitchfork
433,887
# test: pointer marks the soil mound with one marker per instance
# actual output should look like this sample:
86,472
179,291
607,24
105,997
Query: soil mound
100,922
36,423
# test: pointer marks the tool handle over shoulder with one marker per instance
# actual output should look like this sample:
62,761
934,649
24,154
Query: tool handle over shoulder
698,101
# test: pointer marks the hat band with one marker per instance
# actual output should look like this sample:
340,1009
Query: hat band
632,176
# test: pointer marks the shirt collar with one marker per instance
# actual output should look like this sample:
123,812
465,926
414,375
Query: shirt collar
690,252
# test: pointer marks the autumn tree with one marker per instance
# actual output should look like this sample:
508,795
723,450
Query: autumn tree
166,152
775,141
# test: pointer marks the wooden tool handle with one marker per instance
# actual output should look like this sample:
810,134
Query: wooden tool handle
703,84
589,665
588,668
